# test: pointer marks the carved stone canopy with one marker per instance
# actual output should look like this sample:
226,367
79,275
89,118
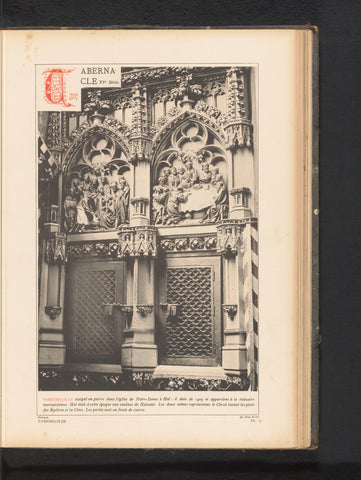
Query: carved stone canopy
229,237
239,134
140,206
240,196
55,250
139,149
138,242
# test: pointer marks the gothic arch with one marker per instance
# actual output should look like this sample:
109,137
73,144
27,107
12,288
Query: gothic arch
188,136
189,172
111,128
97,181
213,122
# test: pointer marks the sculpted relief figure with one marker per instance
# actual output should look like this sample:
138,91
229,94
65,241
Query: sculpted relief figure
190,176
160,196
97,201
205,176
189,194
218,209
176,196
70,211
86,211
121,202
173,179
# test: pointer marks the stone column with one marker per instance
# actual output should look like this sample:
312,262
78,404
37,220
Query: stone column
240,144
52,287
237,242
138,247
229,244
140,150
250,297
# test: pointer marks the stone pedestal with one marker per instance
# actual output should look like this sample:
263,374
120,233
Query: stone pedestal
139,352
229,244
234,357
51,305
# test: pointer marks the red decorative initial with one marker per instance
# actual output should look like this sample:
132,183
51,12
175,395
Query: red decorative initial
55,86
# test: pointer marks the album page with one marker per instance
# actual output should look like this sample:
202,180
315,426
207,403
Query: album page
149,260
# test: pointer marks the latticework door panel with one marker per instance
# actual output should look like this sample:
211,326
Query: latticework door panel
191,332
93,333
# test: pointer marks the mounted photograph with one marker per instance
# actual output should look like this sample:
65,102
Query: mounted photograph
147,227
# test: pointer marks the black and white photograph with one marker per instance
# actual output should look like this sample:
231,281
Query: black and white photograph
168,281
148,245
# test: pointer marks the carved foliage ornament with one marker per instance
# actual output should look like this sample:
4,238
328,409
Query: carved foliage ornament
139,111
144,310
189,244
164,94
236,106
96,106
93,248
211,112
186,89
155,74
163,73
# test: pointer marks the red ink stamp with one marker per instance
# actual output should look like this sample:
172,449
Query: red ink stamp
55,87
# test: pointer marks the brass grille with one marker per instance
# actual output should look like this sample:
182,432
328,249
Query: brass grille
191,333
94,332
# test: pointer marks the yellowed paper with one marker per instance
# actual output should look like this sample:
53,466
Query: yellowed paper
264,418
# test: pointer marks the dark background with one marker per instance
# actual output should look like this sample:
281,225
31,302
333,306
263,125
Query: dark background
339,453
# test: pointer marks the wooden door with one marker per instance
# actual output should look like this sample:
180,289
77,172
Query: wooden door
193,336
93,335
